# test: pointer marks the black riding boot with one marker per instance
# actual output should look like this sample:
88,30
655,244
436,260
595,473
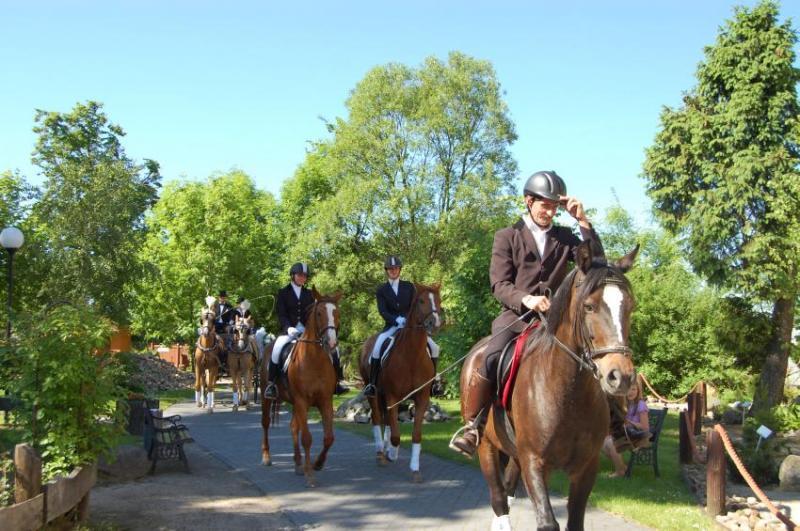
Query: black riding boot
271,392
340,388
437,389
479,395
374,369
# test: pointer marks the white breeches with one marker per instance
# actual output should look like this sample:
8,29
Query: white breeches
278,347
376,349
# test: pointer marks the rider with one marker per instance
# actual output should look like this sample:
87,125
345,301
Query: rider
394,303
529,261
292,305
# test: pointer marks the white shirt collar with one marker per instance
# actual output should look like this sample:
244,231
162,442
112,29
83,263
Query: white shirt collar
296,289
395,284
539,233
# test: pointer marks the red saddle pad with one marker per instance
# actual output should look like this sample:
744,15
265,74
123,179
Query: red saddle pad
519,346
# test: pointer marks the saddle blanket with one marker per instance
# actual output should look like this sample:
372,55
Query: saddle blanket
509,370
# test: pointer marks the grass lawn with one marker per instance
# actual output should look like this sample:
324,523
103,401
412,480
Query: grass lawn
168,398
661,503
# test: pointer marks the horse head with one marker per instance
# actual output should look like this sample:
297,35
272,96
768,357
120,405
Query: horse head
426,308
241,332
207,317
323,319
599,301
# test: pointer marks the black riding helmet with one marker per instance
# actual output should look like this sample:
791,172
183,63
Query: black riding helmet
392,261
299,267
545,185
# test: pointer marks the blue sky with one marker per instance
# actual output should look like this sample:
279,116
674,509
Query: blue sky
203,87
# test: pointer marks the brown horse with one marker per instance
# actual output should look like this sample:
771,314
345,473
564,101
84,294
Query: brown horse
558,414
241,360
409,366
206,361
311,382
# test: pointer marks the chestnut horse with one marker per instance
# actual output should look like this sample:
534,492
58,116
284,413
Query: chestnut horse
241,360
409,366
558,414
311,382
206,361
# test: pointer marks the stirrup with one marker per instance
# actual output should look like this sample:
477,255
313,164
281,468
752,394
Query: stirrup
465,428
437,389
370,390
340,389
271,391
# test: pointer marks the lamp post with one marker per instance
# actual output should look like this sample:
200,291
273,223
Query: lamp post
11,239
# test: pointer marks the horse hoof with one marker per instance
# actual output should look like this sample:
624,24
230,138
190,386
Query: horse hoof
311,483
319,466
235,409
298,470
199,404
416,476
210,410
266,462
381,459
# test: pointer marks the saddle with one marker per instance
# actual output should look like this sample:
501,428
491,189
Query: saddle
388,344
508,365
286,356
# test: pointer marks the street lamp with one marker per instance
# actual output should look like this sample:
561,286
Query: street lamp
11,239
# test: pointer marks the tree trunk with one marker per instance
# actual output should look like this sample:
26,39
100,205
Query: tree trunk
773,373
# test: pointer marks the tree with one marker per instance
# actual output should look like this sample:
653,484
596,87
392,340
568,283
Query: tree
88,223
723,173
203,237
421,152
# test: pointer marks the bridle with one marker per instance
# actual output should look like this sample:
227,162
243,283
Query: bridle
208,319
241,329
588,354
321,334
427,320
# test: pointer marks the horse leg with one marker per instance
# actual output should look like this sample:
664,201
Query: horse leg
421,401
326,411
510,478
492,470
533,473
580,487
212,381
198,381
301,416
377,430
393,451
266,459
295,427
234,369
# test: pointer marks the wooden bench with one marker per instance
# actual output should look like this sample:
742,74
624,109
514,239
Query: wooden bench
164,438
648,455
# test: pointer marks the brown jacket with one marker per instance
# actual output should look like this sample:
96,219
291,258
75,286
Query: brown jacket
517,269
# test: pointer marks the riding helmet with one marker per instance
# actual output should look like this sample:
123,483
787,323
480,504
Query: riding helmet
392,261
545,185
299,267
223,293
239,299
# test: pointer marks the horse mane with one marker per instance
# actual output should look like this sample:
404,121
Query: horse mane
542,340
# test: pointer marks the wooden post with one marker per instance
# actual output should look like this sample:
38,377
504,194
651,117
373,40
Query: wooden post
684,447
703,399
28,477
715,474
83,508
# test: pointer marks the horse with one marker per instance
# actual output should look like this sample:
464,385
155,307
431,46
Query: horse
311,382
558,414
241,360
206,361
408,368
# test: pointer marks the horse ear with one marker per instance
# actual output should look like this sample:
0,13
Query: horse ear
626,262
583,256
315,293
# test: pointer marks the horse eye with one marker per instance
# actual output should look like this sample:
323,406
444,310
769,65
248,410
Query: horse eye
589,308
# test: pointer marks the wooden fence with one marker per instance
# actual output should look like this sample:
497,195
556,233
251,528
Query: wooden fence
36,504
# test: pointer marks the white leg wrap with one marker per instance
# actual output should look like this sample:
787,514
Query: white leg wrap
376,434
235,398
501,523
387,438
510,500
416,448
245,396
394,452
198,397
211,399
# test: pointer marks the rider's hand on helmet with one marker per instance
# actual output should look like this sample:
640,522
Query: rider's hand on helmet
574,207
400,321
536,302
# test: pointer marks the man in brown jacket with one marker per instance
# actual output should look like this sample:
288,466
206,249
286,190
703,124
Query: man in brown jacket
529,261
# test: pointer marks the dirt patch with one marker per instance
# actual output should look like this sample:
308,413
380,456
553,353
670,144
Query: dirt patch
213,496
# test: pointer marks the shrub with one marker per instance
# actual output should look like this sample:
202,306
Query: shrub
67,385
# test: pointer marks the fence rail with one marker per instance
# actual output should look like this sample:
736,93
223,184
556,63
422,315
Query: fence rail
38,504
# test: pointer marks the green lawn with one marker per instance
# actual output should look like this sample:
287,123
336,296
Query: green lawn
663,503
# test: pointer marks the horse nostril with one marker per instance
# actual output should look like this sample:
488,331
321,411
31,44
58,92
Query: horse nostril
614,377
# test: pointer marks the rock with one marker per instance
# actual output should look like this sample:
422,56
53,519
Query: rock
130,463
789,473
350,409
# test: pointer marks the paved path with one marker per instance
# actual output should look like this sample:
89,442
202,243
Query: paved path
353,492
